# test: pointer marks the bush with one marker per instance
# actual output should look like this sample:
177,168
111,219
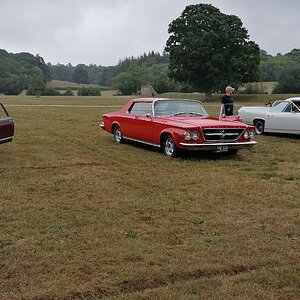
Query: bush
12,86
50,92
68,92
44,92
90,91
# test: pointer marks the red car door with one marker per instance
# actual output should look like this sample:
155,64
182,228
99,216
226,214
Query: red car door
127,125
6,126
141,122
144,128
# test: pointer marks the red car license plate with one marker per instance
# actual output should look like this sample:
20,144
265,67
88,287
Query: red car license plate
222,148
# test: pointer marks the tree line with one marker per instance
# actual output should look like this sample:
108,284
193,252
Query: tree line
127,76
153,68
17,72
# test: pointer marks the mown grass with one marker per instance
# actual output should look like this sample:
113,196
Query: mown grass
85,218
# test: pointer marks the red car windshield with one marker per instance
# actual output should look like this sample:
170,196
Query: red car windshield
179,107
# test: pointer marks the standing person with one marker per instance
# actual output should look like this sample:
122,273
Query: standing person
227,102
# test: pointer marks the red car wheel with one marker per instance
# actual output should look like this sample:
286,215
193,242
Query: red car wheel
169,146
118,134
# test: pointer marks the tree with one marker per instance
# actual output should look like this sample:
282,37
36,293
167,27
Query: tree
37,85
208,48
80,74
124,83
288,81
162,82
131,81
61,72
44,68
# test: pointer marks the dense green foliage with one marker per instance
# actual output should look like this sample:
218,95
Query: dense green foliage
209,49
17,71
285,69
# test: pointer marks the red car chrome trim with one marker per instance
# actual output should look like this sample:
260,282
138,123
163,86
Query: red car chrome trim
219,144
140,141
211,146
222,134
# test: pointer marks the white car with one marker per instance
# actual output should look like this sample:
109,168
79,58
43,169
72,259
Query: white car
282,117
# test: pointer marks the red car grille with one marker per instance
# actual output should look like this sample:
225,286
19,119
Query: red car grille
222,134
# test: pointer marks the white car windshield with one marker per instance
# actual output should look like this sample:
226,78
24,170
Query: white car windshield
179,107
282,106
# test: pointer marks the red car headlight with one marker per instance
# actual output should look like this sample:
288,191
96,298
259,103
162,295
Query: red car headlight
191,135
195,135
249,134
187,135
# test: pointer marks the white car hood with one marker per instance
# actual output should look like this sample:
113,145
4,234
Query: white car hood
255,109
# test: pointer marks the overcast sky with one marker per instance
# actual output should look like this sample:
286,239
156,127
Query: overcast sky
102,32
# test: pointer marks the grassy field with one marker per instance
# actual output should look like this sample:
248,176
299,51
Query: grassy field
85,218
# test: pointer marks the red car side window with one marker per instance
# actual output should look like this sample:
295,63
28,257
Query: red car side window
141,108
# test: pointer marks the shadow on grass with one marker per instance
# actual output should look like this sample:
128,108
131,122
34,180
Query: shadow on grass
205,155
188,155
283,135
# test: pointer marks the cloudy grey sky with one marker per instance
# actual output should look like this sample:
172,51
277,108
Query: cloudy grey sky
103,31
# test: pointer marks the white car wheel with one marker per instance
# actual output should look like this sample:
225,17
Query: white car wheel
259,126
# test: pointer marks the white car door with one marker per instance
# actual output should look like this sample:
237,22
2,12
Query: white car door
295,122
281,118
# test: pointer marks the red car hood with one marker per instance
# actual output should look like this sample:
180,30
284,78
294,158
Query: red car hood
202,122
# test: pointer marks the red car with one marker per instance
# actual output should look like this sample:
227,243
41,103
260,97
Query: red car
174,124
6,126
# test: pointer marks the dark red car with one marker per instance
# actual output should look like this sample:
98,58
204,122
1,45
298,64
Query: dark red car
6,126
174,124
